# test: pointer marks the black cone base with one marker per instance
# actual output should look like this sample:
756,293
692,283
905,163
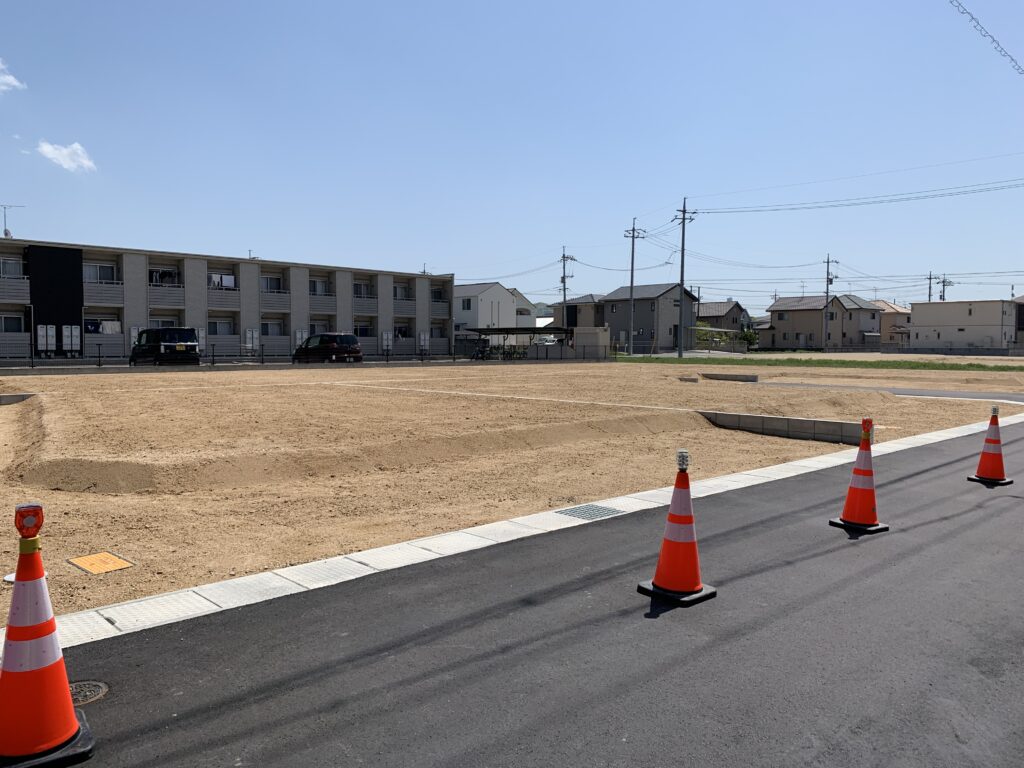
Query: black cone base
682,598
78,750
838,522
989,483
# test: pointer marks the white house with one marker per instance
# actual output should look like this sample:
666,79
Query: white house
964,325
484,305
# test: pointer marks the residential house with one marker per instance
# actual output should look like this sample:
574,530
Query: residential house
853,322
655,320
483,305
581,312
725,315
966,325
895,325
526,313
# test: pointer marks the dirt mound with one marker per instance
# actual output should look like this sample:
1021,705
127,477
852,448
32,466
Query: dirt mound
216,471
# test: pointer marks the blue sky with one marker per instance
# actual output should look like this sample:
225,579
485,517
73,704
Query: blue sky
479,138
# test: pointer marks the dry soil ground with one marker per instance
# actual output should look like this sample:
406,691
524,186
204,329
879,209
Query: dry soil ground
201,476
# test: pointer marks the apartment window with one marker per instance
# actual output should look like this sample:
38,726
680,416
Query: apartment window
11,268
938,334
917,335
362,327
831,315
99,273
319,286
782,316
810,337
872,315
785,336
272,328
12,323
437,294
220,281
362,291
830,336
220,327
850,314
652,306
844,334
101,325
163,322
970,311
734,319
467,304
959,330
163,276
402,331
438,332
271,284
615,308
317,327
400,291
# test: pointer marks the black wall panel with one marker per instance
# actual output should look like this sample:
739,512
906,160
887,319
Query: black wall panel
56,287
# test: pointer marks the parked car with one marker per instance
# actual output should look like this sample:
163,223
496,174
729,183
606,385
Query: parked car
166,345
329,348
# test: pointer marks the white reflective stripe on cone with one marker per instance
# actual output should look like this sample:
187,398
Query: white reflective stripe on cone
30,655
681,532
863,460
990,448
30,604
862,481
680,498
993,432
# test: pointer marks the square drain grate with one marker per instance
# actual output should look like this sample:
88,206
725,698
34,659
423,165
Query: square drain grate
589,512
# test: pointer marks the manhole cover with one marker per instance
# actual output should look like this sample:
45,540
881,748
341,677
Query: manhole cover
88,691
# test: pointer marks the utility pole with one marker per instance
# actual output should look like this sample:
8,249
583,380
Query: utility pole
5,206
829,277
633,234
683,217
565,278
943,284
929,285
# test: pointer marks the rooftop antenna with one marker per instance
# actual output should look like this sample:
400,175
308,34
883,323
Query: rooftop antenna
5,206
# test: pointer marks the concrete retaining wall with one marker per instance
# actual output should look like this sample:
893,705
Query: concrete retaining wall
11,399
846,432
731,376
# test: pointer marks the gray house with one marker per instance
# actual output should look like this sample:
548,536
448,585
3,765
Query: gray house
724,315
656,317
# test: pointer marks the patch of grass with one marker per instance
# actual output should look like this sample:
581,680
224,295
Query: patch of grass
810,362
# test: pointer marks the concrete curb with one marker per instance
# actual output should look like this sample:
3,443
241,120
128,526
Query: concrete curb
824,430
132,616
749,377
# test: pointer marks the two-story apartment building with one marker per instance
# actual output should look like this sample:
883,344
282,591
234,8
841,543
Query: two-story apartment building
68,300
724,315
656,317
966,325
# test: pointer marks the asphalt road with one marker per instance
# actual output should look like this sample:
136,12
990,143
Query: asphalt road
902,649
954,393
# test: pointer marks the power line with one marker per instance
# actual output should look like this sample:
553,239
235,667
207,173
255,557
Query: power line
985,33
515,274
898,197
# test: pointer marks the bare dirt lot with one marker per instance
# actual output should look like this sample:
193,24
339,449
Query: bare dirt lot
201,476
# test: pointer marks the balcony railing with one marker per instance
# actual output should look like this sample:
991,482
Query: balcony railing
103,293
275,301
440,309
14,289
405,307
364,305
167,295
223,298
323,302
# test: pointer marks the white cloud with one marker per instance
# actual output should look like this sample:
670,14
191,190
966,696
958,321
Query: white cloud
25,152
9,82
73,157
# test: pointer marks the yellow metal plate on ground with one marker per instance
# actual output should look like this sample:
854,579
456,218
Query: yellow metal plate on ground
101,562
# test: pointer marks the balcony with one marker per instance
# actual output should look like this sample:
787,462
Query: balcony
223,298
14,290
169,296
275,301
364,305
323,303
104,294
405,308
440,309
276,346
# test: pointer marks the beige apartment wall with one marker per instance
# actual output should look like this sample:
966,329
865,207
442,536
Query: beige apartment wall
963,324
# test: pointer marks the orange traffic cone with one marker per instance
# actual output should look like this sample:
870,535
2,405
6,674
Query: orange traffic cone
677,576
990,467
39,725
860,513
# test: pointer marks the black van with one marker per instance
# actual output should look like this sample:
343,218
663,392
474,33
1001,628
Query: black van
166,345
329,347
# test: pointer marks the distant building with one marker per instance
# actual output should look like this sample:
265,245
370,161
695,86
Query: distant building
966,325
852,322
726,315
798,322
526,310
895,324
483,305
656,317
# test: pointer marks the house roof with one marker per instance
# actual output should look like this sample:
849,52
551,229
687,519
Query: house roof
654,291
849,301
717,308
888,306
519,296
796,303
473,289
587,298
